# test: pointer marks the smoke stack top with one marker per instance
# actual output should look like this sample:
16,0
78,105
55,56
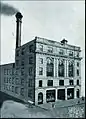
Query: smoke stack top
18,29
18,15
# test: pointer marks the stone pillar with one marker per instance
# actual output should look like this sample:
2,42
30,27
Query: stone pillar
44,96
75,69
65,62
75,93
45,63
67,68
65,93
57,67
54,67
56,94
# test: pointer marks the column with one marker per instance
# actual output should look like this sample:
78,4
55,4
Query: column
75,92
75,67
44,96
57,67
65,93
54,67
67,68
56,94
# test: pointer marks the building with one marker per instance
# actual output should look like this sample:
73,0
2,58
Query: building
46,70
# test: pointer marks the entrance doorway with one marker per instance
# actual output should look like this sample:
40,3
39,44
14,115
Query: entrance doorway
40,98
50,96
61,94
77,93
70,93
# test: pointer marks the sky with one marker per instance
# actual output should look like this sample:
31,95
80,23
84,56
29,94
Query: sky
53,20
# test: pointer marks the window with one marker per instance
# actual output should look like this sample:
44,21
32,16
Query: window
17,62
41,60
77,64
12,88
22,91
71,82
22,62
17,81
31,48
30,60
40,83
71,68
30,83
77,82
61,82
41,47
13,65
9,80
30,71
50,50
40,98
13,80
22,71
70,53
4,80
16,90
77,54
17,53
50,67
22,52
77,72
61,52
40,71
4,71
50,83
22,81
61,68
30,93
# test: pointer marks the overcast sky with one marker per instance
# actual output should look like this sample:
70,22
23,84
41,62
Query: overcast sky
53,20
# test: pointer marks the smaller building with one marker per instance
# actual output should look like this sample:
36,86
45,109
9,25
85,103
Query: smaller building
8,78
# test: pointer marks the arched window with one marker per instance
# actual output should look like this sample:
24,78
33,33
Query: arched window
50,67
40,98
70,71
61,68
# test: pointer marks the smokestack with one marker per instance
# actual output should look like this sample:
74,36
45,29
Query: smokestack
18,29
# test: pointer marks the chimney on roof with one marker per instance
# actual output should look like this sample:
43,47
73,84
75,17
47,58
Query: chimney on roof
18,29
64,41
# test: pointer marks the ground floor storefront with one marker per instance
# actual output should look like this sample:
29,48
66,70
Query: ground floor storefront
51,95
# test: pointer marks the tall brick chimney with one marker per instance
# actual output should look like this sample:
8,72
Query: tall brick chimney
18,29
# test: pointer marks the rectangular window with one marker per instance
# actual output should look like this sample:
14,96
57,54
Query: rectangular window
61,82
41,47
4,79
30,93
22,52
77,72
30,60
77,82
22,62
31,48
17,62
41,60
10,80
71,82
12,88
40,83
22,71
13,80
30,83
50,83
30,71
40,71
4,71
22,91
22,82
70,53
16,90
61,52
77,54
50,50
77,64
17,81
17,53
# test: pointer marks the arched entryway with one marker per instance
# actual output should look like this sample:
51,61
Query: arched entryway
40,98
78,95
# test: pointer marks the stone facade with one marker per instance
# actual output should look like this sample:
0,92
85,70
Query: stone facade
45,68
